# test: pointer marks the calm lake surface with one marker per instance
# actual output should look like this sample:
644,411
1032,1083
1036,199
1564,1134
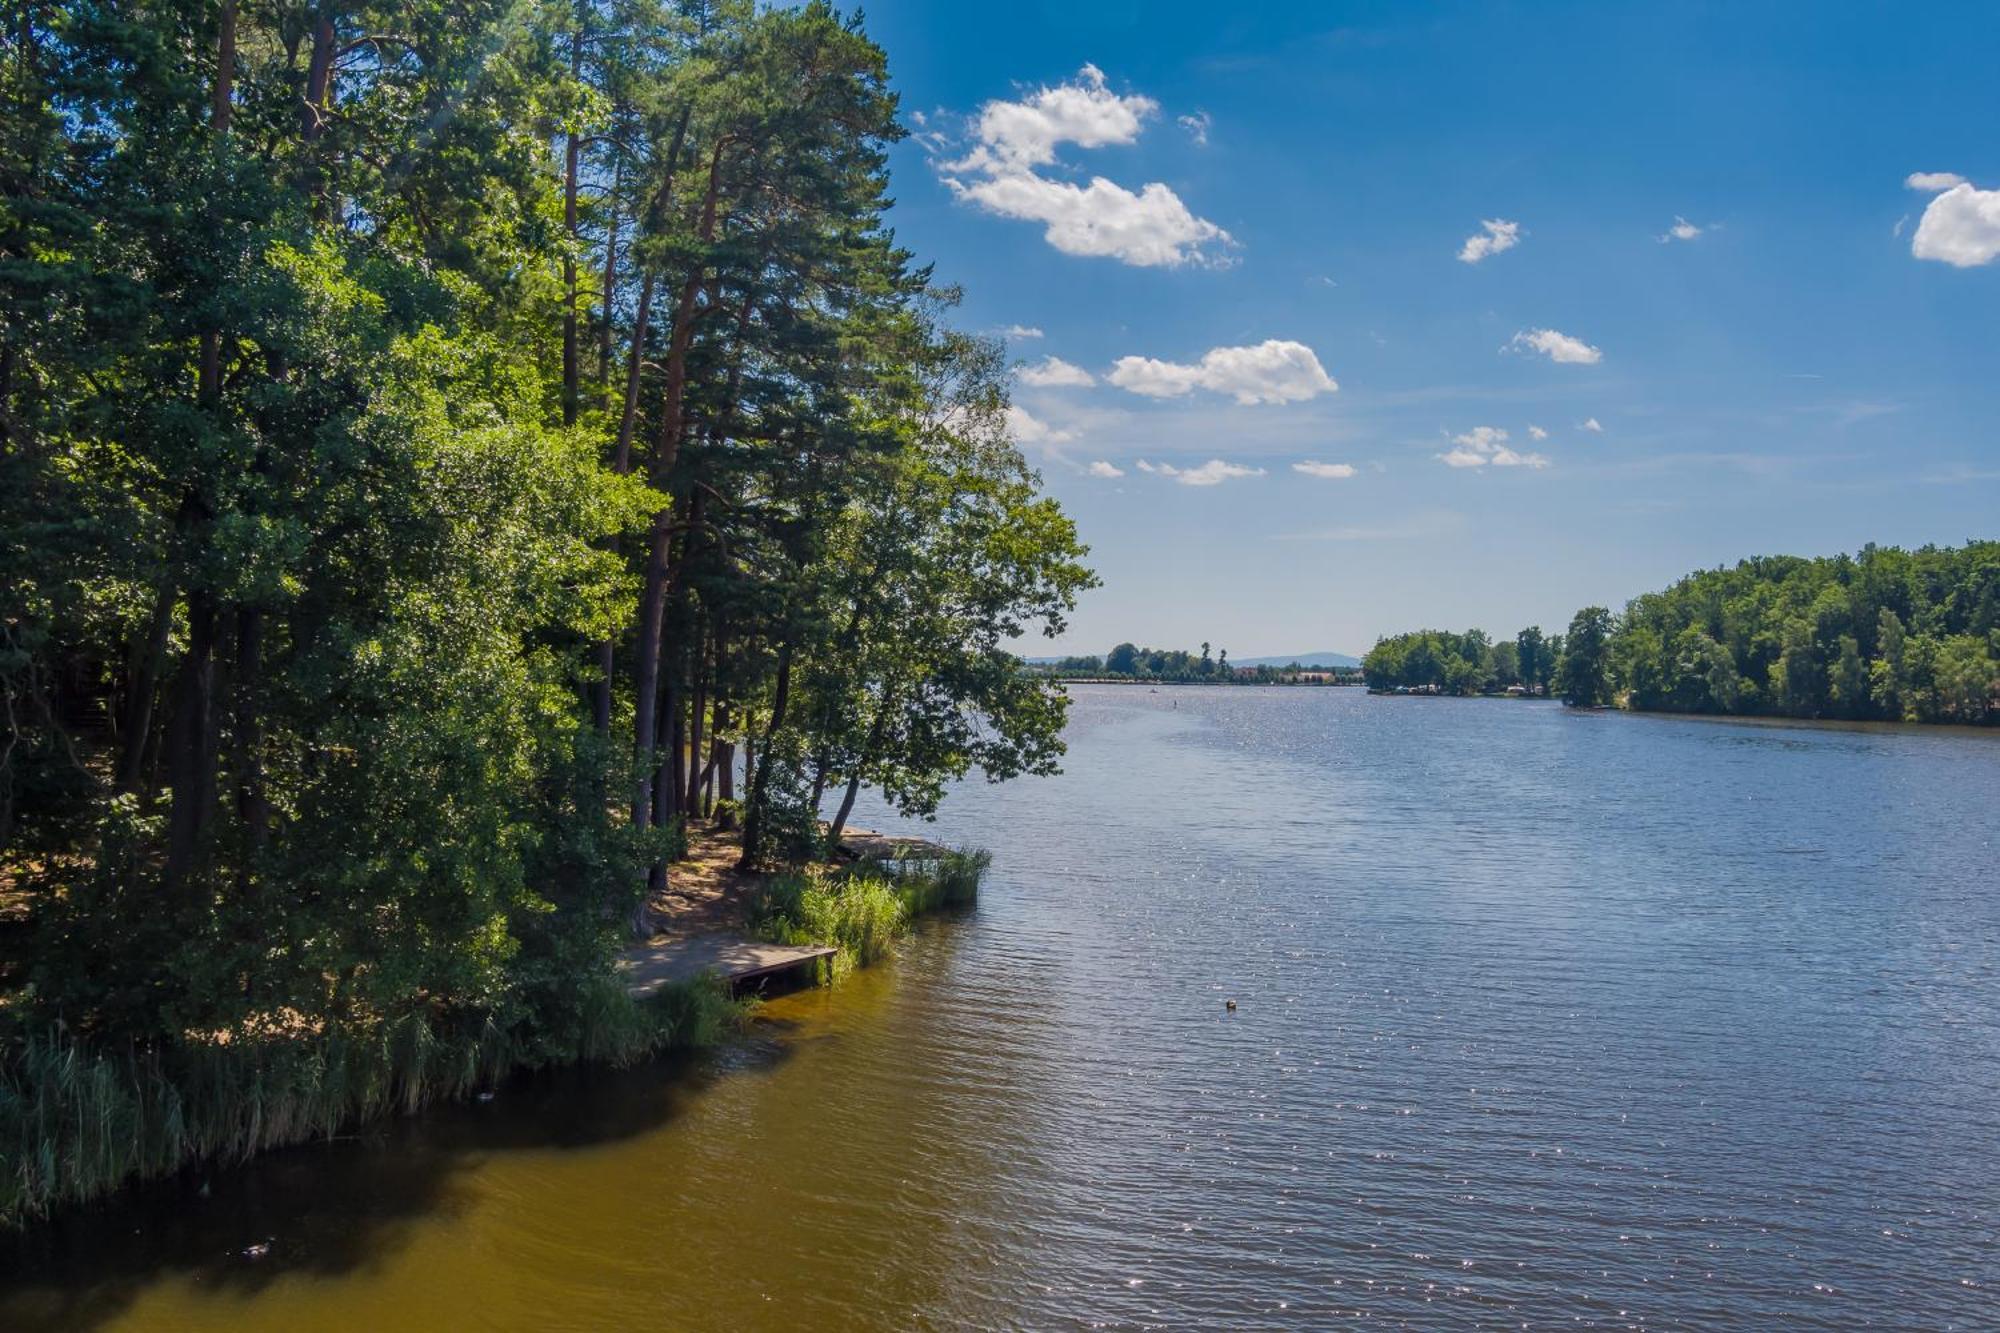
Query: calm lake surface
1543,1019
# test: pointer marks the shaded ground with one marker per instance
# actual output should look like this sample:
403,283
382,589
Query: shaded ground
705,891
700,915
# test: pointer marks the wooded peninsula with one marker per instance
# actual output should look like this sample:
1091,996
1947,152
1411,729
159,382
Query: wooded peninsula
1884,635
443,446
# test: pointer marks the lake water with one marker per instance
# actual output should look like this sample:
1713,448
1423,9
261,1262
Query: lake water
1544,1018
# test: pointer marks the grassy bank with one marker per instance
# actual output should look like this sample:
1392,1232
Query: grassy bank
862,910
78,1122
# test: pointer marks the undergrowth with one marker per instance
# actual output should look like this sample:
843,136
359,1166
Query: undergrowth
77,1122
864,909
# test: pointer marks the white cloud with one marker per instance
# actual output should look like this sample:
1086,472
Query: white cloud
1592,426
1682,230
1151,228
1212,473
1499,234
1028,429
1930,182
1557,347
1274,371
1197,126
1014,136
1324,471
1961,226
1537,433
1054,372
1487,445
1021,331
1103,469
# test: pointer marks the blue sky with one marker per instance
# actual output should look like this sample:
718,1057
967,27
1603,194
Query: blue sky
1289,191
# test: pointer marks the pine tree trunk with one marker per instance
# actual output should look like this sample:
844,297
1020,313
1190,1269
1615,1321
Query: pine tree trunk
144,685
753,821
190,748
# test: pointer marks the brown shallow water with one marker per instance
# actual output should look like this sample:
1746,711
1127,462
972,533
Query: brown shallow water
1544,1019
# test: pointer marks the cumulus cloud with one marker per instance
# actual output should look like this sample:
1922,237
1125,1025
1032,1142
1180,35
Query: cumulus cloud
1498,234
1021,331
1103,469
1961,226
1011,140
1537,433
1196,126
1486,446
1592,426
1212,473
1557,347
1682,230
1324,471
1054,373
1028,429
1274,371
1930,182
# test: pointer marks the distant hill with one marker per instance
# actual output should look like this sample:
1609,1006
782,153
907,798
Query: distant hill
1303,659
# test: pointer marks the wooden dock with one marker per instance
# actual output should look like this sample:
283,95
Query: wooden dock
868,845
648,968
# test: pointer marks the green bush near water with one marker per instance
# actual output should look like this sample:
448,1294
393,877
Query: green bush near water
862,910
76,1122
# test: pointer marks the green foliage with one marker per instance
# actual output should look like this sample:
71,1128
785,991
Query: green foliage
380,592
1435,661
863,910
1584,675
1884,634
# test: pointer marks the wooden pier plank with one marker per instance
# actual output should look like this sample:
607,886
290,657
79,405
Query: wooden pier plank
647,968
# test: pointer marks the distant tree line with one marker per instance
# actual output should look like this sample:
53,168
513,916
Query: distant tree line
1887,634
1164,664
1178,666
1438,661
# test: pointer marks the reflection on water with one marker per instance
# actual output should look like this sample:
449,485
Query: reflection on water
1545,1017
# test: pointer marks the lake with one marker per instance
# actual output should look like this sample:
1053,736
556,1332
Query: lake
1542,1018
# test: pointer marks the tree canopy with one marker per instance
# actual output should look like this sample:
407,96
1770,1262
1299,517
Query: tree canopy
441,445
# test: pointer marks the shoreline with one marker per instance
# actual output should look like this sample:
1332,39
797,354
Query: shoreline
89,1125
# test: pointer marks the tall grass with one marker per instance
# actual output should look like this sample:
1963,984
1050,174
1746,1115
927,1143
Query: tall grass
862,910
77,1122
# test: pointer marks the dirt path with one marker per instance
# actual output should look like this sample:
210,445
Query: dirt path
705,891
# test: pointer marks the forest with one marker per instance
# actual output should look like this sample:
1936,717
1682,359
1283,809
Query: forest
1882,635
1885,634
444,446
1175,665
1441,662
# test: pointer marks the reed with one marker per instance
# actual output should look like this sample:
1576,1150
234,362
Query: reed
77,1122
862,910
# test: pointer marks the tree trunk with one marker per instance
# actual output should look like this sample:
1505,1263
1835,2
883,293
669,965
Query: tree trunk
646,682
754,818
610,284
192,745
674,784
572,370
312,110
697,716
143,682
839,824
191,749
252,805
